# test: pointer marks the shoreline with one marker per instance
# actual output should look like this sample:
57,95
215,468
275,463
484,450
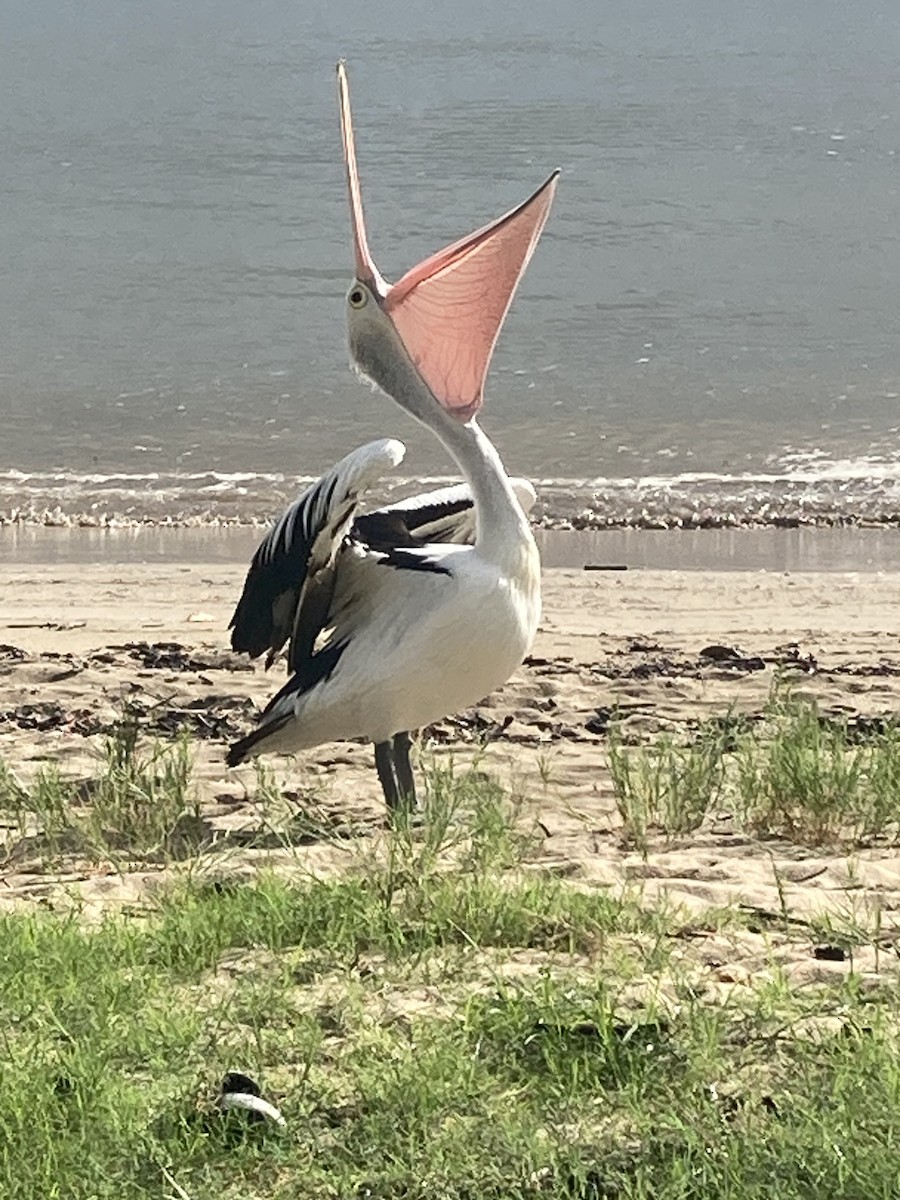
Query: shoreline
862,493
796,550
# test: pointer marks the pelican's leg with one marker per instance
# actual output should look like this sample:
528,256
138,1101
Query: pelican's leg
384,765
406,781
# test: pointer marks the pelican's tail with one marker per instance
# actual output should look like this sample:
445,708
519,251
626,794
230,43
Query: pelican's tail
255,743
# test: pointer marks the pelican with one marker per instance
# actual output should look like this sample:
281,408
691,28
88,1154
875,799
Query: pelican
399,617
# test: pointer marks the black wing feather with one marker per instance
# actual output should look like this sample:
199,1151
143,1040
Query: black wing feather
388,528
302,544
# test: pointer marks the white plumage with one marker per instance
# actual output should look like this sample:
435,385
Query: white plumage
374,607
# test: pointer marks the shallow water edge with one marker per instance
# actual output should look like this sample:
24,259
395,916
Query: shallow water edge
794,550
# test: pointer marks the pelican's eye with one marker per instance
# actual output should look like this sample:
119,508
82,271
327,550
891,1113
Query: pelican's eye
357,297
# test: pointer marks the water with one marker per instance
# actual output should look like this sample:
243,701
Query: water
864,551
714,297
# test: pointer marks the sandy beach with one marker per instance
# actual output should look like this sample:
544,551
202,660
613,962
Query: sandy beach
77,640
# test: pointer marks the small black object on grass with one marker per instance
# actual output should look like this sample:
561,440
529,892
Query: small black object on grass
242,1094
234,1081
830,953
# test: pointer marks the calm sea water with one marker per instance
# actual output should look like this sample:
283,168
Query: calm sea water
715,296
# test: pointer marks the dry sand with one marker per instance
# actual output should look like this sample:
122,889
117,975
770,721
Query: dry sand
77,639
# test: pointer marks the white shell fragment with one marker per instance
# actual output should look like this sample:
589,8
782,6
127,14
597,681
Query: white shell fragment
252,1104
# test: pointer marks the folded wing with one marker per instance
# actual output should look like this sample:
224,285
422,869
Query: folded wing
290,579
290,584
444,515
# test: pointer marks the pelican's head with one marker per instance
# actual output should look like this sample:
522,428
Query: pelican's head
427,340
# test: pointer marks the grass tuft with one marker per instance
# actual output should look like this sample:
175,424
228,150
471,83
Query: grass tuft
814,781
140,804
665,787
795,775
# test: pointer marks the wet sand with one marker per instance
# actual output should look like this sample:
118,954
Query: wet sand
803,549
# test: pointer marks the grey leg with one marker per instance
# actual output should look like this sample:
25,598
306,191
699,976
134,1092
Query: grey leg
406,782
384,765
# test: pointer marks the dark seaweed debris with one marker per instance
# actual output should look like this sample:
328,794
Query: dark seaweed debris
172,656
48,716
469,726
213,718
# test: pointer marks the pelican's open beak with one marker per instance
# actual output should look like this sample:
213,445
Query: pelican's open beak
366,271
449,310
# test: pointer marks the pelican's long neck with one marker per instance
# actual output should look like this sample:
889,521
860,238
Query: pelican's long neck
503,534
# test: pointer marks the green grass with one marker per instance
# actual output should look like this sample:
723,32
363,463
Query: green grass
115,1037
140,804
797,775
439,1021
814,781
666,787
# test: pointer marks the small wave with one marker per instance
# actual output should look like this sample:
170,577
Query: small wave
796,487
13,477
813,465
810,491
